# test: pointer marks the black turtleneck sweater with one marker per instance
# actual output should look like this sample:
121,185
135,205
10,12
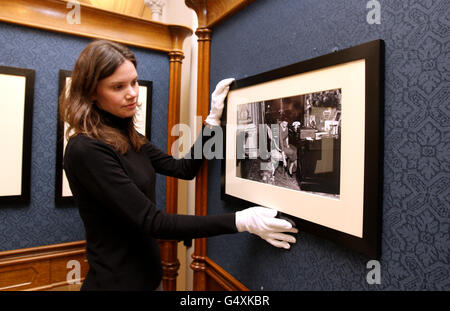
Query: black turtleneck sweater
115,194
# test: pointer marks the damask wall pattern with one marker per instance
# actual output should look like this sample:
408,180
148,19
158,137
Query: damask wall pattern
42,222
416,189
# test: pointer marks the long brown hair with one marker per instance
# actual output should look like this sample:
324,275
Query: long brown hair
97,61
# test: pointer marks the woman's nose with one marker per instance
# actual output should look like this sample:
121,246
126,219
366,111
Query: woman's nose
132,91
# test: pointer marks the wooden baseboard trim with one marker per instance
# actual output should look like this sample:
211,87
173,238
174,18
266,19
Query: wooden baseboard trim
54,285
219,279
43,267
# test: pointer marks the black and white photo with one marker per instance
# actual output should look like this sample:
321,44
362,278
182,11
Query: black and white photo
292,142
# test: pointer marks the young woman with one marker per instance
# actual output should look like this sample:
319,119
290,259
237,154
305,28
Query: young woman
111,171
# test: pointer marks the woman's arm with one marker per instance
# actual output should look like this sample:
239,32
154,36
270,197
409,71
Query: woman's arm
96,177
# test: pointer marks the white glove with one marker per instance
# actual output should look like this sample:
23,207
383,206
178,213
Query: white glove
262,222
217,102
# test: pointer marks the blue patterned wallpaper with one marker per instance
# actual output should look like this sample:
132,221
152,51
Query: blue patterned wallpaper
42,222
416,194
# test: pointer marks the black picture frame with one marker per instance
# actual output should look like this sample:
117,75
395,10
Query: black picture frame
26,138
368,242
60,181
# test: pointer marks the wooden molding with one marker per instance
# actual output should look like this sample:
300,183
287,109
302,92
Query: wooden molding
95,23
209,276
40,268
210,13
218,279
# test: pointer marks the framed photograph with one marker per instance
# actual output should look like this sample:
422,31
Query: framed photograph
16,114
142,123
307,139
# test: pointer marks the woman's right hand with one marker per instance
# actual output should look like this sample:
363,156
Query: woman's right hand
217,102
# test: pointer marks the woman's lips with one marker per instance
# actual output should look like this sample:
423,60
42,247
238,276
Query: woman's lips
131,106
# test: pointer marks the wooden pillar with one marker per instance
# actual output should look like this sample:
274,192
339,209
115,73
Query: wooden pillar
201,182
169,258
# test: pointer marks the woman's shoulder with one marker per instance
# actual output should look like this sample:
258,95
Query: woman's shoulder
82,141
82,145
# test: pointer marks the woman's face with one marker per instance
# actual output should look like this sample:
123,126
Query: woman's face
118,93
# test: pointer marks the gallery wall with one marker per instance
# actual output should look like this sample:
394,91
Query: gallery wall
42,222
416,195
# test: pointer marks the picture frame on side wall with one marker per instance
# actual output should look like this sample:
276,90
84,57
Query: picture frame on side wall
307,140
16,118
143,122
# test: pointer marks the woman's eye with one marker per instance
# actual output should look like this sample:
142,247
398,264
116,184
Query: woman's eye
118,87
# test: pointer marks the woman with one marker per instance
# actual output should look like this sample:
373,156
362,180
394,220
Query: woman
111,171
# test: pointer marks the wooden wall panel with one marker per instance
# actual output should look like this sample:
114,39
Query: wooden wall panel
25,276
40,268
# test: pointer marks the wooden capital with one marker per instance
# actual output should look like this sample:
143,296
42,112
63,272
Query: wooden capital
176,56
178,34
200,8
203,34
212,12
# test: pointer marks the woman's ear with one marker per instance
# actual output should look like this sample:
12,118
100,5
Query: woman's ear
93,98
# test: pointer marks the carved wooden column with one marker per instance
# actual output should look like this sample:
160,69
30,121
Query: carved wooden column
203,33
201,182
169,258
